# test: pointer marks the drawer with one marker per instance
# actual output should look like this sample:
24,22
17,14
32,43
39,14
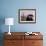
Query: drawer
13,43
33,37
33,43
37,43
16,37
9,43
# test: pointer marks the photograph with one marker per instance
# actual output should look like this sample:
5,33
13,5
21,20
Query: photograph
27,15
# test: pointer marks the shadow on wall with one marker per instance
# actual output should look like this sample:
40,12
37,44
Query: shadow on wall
1,39
2,21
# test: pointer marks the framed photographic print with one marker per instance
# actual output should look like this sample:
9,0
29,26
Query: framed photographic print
27,15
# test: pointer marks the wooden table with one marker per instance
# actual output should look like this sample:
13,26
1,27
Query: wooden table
20,39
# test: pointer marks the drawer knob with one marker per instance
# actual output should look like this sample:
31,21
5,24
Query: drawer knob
33,42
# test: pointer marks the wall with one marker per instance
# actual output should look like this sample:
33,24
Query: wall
9,8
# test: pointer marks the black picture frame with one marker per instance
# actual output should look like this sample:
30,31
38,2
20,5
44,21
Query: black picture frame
25,14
